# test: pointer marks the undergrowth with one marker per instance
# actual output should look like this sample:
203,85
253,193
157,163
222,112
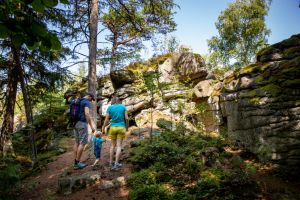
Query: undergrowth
9,176
49,129
187,165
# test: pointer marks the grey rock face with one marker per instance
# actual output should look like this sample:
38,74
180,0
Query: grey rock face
261,104
204,88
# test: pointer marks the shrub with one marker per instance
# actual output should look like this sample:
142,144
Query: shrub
9,176
141,178
187,165
150,192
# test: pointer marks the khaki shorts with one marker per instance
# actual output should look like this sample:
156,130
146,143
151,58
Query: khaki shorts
81,133
116,132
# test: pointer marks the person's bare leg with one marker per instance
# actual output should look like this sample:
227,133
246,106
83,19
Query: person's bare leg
96,161
118,152
79,151
111,152
75,147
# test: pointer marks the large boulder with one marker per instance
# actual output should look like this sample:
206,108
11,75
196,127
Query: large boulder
106,89
184,66
204,88
126,91
122,77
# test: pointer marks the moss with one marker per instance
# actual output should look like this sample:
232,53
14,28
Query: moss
265,50
199,59
291,64
291,83
272,89
259,79
255,100
248,69
229,78
285,98
281,105
102,80
290,73
216,93
264,66
252,93
155,61
161,59
291,52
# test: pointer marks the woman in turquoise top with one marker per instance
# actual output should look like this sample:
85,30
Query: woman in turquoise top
117,112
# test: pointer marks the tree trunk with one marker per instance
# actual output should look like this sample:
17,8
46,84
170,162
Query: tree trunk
10,100
29,115
113,53
92,82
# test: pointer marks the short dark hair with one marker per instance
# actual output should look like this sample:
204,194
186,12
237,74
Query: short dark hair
115,100
91,95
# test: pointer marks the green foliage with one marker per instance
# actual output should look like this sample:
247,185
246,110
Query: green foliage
129,23
150,192
165,124
143,177
49,125
242,33
22,26
150,80
9,176
185,165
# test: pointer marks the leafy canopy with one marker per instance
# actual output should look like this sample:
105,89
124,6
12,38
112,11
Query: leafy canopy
20,22
242,33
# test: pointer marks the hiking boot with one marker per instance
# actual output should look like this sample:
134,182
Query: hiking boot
116,166
119,165
80,165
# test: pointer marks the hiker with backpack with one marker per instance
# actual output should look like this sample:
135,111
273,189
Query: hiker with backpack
80,115
117,112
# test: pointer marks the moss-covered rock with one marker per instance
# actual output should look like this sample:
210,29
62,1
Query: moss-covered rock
122,77
261,104
286,49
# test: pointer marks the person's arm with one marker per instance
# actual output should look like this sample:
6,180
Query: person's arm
126,120
106,121
89,119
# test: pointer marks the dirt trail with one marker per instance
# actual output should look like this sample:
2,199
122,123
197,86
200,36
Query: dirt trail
44,185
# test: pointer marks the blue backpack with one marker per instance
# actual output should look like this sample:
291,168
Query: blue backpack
74,110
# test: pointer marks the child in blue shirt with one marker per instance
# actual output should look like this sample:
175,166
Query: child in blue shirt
97,143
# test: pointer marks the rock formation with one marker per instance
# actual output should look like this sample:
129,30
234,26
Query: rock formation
173,89
260,104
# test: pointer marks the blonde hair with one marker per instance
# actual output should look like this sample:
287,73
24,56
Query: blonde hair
98,135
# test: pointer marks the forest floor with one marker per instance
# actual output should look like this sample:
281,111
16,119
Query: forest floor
44,185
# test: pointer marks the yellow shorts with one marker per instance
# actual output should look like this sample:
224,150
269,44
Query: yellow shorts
116,132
